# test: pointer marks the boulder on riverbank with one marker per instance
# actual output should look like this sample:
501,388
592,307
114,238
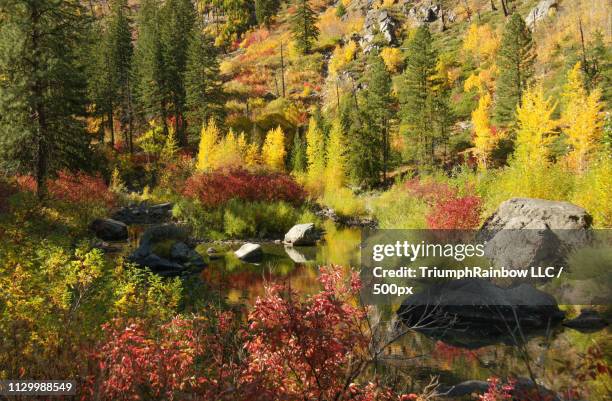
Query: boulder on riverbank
302,235
475,312
526,232
179,259
250,252
524,389
109,229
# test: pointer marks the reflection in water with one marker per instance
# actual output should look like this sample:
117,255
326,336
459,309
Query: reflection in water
556,358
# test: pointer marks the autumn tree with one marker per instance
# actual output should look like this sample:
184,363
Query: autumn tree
582,119
515,61
209,138
42,87
535,129
273,151
203,89
303,26
484,140
337,158
315,153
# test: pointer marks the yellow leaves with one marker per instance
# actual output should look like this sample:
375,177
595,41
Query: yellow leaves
342,56
582,120
335,172
392,56
481,42
535,127
484,141
273,151
594,192
315,156
209,137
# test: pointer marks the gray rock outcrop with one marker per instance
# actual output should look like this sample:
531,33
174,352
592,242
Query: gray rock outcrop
109,229
144,214
377,21
588,321
540,11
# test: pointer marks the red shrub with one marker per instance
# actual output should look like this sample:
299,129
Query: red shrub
455,214
73,188
430,191
217,188
498,391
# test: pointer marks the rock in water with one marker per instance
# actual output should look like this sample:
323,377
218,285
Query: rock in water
250,252
475,312
588,321
109,229
526,232
301,235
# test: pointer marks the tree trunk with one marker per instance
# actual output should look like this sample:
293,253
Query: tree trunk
505,7
42,129
493,8
111,124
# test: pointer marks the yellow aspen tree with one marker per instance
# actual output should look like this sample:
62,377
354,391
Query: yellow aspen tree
483,138
315,154
582,120
535,126
228,154
252,158
242,144
273,151
335,171
209,139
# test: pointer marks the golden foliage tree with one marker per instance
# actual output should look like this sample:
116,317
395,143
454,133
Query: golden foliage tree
315,154
582,120
273,151
335,172
535,126
484,141
209,139
227,153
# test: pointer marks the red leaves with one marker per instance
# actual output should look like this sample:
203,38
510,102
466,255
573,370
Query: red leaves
76,188
217,188
498,391
455,213
449,211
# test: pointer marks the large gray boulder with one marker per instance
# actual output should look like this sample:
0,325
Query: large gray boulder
250,252
475,312
588,321
109,229
540,11
377,21
526,232
301,235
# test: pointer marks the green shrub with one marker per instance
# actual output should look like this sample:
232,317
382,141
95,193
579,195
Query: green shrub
398,209
344,202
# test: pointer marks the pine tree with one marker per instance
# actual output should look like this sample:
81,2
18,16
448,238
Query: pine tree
416,93
303,26
265,10
110,75
204,92
582,119
273,151
42,87
370,148
535,129
298,154
483,138
209,140
152,89
337,160
176,31
515,61
315,153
